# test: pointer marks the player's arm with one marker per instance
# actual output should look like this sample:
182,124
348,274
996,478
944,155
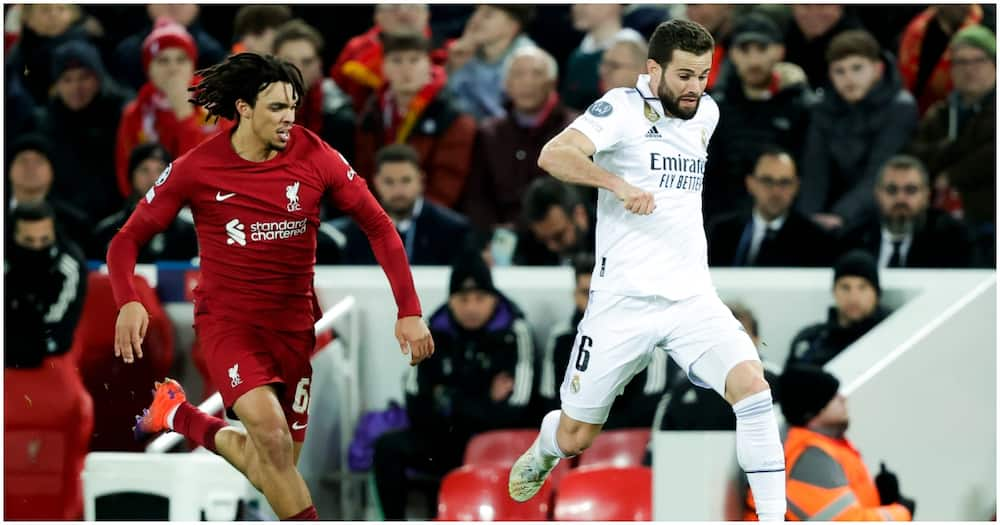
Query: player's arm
567,158
350,194
153,214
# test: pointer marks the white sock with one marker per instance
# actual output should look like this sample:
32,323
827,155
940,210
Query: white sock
170,416
548,444
761,454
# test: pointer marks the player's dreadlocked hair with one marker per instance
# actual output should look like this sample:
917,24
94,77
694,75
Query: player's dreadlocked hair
242,77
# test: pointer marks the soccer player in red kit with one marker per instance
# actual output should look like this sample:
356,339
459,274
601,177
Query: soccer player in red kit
255,194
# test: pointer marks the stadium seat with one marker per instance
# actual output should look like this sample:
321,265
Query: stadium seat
119,390
48,418
605,493
619,448
479,493
503,447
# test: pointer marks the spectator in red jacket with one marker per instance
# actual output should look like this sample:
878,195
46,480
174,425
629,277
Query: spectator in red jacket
415,108
924,58
358,70
506,155
161,112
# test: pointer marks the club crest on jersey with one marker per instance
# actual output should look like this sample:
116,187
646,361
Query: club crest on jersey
600,109
163,176
292,192
650,113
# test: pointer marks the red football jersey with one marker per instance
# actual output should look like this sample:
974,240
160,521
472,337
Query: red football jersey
257,223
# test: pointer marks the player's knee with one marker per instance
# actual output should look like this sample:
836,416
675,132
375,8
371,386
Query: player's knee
745,380
274,447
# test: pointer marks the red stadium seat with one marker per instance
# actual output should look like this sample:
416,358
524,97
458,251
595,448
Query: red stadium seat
503,447
619,448
119,390
604,493
48,418
479,493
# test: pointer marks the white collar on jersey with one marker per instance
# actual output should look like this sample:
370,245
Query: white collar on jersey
642,85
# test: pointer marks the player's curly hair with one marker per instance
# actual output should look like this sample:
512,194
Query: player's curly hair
241,77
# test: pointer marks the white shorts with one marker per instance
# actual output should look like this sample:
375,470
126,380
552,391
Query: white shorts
617,337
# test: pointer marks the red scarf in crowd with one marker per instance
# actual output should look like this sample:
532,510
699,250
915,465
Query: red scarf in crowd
398,124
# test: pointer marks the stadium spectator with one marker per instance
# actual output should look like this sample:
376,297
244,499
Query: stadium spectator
957,138
81,123
414,108
358,69
718,19
867,118
255,25
325,109
688,407
622,63
477,60
602,25
505,158
555,224
45,279
636,405
907,232
924,61
478,379
809,36
827,478
129,64
45,27
762,101
856,293
431,234
162,112
30,173
177,242
772,233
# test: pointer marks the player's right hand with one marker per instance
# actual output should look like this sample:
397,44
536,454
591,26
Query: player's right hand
130,329
636,200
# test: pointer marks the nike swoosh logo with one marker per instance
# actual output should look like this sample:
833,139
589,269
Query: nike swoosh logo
220,197
297,426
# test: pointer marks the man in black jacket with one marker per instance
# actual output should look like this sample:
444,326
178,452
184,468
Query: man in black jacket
856,293
762,101
907,233
556,224
431,234
81,123
478,379
45,278
636,405
178,242
772,234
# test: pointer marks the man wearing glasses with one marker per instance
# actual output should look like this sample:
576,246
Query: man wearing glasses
907,233
772,233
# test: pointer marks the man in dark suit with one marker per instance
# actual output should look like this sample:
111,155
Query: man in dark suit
772,233
907,233
431,234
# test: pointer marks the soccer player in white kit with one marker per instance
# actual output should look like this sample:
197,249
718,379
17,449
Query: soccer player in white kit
651,286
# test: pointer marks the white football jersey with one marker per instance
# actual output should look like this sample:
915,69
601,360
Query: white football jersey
664,253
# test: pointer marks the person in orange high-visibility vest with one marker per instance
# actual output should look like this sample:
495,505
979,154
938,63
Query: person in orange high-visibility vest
827,479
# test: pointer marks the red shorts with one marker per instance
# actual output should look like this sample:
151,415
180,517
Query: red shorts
241,357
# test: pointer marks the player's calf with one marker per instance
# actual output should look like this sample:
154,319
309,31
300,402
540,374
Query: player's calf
575,436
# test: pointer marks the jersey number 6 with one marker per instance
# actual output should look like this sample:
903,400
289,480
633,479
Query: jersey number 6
583,354
301,403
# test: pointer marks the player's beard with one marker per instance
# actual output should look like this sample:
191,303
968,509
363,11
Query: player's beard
671,102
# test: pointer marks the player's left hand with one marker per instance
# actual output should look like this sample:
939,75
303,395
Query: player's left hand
414,339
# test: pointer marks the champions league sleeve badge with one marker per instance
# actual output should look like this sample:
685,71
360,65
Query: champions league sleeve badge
600,109
163,176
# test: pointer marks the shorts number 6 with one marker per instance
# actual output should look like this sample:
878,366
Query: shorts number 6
301,403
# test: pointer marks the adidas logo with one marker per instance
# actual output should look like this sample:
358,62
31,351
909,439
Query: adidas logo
653,133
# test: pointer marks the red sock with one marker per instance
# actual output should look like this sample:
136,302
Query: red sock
197,425
309,514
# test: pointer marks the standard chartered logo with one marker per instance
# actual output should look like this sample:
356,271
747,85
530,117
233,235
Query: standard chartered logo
234,230
264,231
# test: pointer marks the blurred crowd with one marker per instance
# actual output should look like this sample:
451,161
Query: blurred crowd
851,137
